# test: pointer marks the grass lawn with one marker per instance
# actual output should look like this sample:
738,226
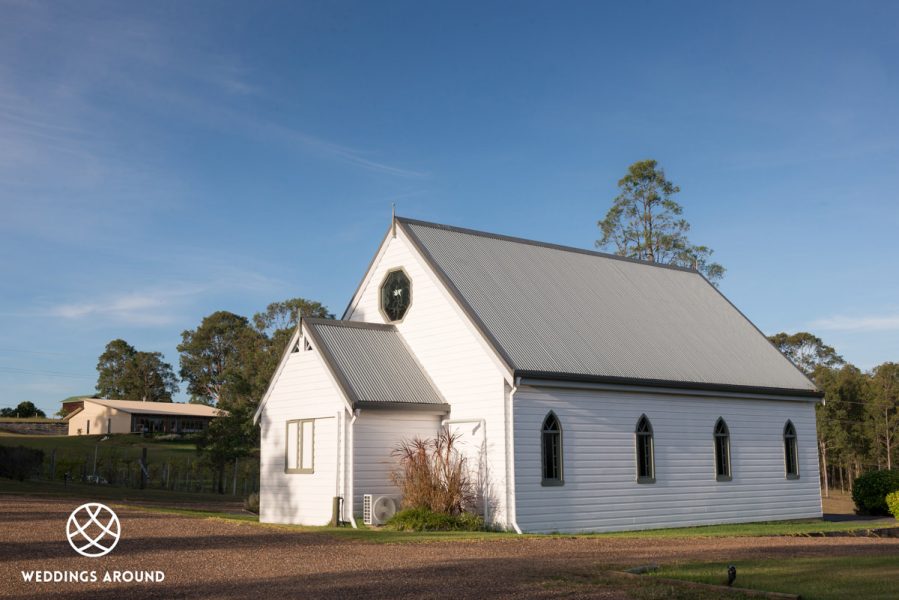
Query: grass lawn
363,533
803,527
869,577
213,502
125,445
379,535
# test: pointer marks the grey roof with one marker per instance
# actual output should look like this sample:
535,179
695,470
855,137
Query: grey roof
373,364
566,313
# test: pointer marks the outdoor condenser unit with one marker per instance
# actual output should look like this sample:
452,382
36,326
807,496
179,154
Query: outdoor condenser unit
377,510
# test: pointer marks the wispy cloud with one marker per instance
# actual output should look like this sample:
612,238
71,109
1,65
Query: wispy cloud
857,323
163,303
65,121
150,308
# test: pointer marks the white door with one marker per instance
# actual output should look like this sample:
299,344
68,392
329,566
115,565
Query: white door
471,443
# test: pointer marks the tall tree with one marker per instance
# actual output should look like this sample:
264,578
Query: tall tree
219,360
645,222
806,351
883,411
126,374
284,315
277,324
843,440
227,439
150,378
112,368
227,361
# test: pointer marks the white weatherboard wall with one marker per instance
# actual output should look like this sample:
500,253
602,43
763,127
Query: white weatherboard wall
600,491
451,353
375,434
304,390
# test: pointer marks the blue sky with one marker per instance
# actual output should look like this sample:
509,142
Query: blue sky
161,161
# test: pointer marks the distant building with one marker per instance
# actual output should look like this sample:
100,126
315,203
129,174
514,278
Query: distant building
94,416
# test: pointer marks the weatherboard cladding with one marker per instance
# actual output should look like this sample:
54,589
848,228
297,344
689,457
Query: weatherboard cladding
564,312
373,361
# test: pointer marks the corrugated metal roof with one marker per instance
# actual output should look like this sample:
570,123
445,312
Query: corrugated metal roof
373,363
563,311
159,408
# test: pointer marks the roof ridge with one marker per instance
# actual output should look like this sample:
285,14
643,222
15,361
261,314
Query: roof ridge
318,321
549,245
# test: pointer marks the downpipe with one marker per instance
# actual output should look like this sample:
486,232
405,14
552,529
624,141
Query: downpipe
346,473
510,461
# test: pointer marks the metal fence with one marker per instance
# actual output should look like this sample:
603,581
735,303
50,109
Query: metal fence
149,468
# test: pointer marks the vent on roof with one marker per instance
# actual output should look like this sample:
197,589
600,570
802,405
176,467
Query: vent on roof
306,345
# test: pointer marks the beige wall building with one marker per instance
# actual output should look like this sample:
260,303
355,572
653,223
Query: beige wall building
95,416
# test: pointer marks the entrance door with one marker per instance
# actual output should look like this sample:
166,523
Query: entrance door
471,443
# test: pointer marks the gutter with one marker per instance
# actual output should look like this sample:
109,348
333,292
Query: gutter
660,386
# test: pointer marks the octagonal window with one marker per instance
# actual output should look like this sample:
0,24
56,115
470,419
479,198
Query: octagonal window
396,295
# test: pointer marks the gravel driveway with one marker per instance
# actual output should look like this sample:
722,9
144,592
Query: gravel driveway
209,558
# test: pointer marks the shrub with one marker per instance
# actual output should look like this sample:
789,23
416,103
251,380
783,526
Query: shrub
434,475
19,462
893,503
422,519
251,503
870,490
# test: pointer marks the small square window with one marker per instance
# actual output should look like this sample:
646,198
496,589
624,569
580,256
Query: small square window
299,451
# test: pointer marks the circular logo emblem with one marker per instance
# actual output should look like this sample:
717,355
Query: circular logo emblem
93,529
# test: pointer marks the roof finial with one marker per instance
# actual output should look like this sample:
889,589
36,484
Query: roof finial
393,217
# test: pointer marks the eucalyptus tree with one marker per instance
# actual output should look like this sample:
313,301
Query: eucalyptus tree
646,223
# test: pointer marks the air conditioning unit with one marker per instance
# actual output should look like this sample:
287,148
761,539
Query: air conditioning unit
377,510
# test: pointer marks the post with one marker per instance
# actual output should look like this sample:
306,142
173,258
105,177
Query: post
96,449
234,480
52,465
143,468
335,511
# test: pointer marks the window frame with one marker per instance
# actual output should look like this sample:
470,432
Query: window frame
298,470
384,314
725,436
551,481
791,447
651,478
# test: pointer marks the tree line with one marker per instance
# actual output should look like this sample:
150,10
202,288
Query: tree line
859,419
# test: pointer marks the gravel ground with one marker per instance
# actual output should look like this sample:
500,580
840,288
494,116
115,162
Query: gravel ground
210,558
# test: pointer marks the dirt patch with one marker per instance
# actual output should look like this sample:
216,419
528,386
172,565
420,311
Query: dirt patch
838,503
213,558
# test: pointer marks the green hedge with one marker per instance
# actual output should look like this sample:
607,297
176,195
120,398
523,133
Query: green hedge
869,492
19,462
422,519
893,503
